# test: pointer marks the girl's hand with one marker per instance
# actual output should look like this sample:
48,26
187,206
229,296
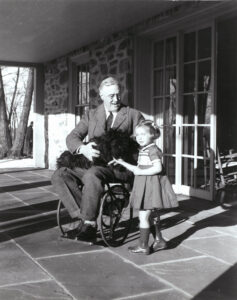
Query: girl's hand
123,163
115,162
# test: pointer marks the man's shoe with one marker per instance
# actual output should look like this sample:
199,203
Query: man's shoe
72,229
139,250
86,232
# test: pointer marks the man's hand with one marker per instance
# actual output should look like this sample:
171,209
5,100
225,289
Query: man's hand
89,152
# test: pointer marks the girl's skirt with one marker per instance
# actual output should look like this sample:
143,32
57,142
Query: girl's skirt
153,192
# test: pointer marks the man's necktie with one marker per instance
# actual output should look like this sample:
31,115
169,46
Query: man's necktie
109,121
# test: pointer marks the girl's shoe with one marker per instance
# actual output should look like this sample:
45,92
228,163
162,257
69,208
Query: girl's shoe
139,250
159,242
159,245
142,247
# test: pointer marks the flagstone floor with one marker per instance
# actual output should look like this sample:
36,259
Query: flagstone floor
37,263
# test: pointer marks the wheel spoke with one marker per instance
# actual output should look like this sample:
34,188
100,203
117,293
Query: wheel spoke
115,218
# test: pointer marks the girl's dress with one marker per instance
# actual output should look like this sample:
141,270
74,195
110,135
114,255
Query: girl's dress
152,191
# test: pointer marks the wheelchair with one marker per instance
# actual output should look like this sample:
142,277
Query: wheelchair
114,219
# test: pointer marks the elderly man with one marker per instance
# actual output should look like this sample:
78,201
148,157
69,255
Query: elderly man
111,114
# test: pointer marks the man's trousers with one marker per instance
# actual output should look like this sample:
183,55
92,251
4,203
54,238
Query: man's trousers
84,203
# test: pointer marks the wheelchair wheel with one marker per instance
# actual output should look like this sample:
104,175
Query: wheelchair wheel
115,216
66,224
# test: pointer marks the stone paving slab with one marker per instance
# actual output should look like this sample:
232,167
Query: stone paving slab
49,188
222,247
177,231
43,172
191,275
223,288
21,186
49,243
8,201
172,254
48,290
17,267
26,175
100,275
16,213
213,214
221,223
35,197
11,184
28,225
168,294
197,231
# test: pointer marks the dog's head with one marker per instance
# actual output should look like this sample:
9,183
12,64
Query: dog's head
117,144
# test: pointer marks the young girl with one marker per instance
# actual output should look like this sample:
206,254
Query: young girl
152,190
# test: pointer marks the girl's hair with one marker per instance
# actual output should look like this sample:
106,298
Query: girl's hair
154,129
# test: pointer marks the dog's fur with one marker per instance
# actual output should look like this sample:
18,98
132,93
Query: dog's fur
113,144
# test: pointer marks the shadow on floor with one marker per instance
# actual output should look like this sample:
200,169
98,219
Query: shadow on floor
25,227
223,288
223,219
26,211
17,170
24,186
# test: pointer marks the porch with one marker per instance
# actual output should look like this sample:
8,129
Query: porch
37,263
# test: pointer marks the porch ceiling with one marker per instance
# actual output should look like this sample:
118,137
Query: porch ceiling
41,30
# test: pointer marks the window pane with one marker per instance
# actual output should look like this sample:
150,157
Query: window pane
189,46
159,120
84,87
79,88
159,111
188,109
204,141
169,139
169,164
204,75
169,130
171,51
188,140
158,83
188,171
204,43
170,81
202,174
204,108
170,111
158,54
80,111
189,78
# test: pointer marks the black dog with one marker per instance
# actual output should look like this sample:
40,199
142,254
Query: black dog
113,144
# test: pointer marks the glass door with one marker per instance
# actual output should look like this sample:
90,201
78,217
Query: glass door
196,102
183,104
164,99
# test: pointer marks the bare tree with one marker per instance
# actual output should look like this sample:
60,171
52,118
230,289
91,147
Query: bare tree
17,147
14,96
5,136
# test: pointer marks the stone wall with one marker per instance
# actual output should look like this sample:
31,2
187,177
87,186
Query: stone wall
112,56
56,86
115,58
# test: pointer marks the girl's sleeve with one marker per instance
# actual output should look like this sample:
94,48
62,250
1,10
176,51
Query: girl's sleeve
155,154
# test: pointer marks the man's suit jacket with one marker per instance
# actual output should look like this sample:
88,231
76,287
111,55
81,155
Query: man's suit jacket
93,125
